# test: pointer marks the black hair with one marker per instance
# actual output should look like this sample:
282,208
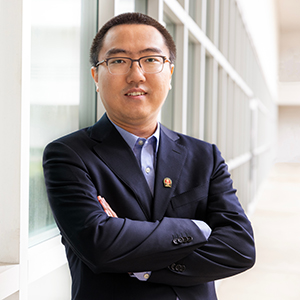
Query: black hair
130,18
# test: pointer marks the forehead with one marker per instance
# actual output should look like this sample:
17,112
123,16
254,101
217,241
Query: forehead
134,39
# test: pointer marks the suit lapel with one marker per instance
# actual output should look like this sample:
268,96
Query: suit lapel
118,156
171,158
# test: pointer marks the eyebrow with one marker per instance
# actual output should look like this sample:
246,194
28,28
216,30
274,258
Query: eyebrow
152,49
115,51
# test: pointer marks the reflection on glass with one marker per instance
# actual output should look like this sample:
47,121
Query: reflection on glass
55,73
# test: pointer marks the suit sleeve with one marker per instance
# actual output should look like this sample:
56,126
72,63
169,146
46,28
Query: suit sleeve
108,244
230,248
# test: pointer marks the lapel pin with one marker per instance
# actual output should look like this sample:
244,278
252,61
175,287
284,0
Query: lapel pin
167,182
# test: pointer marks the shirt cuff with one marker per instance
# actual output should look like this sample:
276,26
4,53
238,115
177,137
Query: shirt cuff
205,229
142,276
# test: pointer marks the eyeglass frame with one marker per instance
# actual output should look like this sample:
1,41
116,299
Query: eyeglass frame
165,59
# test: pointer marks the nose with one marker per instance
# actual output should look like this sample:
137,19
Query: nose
135,73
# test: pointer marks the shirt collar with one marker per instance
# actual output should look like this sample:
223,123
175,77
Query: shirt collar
131,139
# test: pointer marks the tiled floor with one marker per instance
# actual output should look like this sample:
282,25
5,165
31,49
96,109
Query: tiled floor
276,223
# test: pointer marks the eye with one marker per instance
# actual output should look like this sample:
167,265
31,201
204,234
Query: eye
152,59
117,61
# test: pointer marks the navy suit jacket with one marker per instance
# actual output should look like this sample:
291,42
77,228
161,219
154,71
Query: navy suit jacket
151,233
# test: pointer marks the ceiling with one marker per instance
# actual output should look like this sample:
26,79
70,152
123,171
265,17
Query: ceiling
288,15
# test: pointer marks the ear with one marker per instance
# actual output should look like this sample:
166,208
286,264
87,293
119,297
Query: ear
95,76
172,70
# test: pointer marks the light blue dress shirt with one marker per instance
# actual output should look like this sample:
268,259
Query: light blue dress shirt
145,151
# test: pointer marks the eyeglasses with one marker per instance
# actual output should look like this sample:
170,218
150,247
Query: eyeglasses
121,65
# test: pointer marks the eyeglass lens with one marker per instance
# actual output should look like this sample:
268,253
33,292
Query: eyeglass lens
149,64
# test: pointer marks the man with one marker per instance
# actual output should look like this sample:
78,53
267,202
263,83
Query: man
144,212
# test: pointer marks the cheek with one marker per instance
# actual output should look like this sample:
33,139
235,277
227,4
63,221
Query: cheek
108,87
163,87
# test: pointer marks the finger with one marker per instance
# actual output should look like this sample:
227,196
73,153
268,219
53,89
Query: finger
113,214
108,210
103,202
105,205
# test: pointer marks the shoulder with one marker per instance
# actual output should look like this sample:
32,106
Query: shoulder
198,152
86,136
189,142
71,139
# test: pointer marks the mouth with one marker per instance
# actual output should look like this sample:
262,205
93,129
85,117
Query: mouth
135,93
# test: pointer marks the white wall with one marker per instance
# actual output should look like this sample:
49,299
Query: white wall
10,127
289,134
261,22
14,153
289,55
289,67
289,89
59,289
289,93
289,97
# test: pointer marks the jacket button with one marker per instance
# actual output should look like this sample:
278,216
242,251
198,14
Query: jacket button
189,239
180,240
180,268
172,266
175,241
177,268
185,239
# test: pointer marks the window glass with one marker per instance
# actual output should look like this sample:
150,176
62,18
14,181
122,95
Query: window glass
55,95
222,111
229,119
210,19
224,27
123,6
191,90
208,115
195,9
192,9
141,6
167,111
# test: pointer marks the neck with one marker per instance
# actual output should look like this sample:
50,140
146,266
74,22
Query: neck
142,130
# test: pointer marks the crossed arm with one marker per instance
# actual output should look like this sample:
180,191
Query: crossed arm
108,210
107,243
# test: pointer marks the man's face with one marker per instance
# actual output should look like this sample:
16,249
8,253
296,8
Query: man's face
133,99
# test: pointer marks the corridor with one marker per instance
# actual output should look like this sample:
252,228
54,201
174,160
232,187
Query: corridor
276,223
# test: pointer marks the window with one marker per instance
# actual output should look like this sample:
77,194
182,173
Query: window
122,6
195,10
62,93
167,111
191,98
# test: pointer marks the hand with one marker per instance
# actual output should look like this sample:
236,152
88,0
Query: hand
106,207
